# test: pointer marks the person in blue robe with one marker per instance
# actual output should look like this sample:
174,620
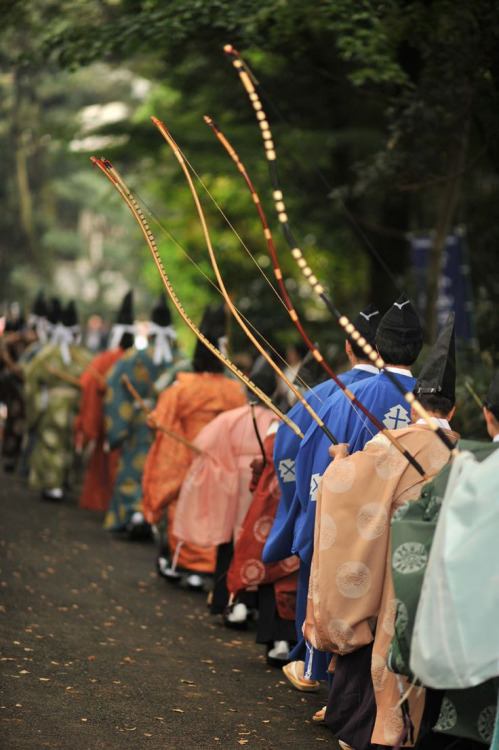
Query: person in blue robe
289,517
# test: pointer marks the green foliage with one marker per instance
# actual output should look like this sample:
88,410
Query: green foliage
372,99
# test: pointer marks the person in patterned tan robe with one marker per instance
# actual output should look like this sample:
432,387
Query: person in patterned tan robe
351,604
89,429
126,423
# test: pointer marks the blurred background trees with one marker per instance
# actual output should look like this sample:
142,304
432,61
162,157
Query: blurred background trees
385,118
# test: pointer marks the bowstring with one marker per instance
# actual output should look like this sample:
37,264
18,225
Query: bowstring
178,245
353,406
350,218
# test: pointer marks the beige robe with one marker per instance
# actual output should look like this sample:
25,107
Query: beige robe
351,596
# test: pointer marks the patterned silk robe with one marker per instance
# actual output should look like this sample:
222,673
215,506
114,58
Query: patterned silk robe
90,429
52,402
128,430
351,597
247,569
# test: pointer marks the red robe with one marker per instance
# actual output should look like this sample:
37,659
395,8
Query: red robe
247,569
89,428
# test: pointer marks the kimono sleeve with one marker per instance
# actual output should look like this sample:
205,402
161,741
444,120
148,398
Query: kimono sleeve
118,406
350,548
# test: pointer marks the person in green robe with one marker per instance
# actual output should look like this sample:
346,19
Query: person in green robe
52,393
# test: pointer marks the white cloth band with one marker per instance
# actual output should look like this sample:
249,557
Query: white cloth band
162,348
63,336
223,343
41,326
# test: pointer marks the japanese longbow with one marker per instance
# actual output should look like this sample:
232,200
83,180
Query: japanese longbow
301,261
115,178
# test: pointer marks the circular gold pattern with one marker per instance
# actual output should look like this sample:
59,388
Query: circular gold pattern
409,557
262,527
353,579
379,672
252,572
341,635
328,532
125,410
393,726
339,476
372,521
139,461
129,486
389,463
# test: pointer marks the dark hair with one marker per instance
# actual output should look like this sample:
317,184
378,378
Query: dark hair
436,403
397,353
205,361
494,410
356,350
127,341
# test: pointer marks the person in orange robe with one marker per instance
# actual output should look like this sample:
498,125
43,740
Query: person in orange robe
184,408
89,429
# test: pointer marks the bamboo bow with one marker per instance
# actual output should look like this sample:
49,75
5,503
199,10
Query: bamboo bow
107,168
161,127
292,311
301,261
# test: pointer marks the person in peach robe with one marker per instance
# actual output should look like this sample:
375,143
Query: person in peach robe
184,408
216,495
89,429
351,604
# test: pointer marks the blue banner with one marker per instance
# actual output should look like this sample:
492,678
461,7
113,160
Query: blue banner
455,283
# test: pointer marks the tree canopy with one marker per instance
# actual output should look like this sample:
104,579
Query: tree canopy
385,118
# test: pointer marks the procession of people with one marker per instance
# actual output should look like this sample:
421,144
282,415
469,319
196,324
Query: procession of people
347,530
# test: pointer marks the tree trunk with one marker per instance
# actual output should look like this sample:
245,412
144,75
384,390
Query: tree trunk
22,175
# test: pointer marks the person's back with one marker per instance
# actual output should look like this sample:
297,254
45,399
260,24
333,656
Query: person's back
130,393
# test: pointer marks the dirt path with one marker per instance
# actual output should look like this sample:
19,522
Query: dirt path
99,652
